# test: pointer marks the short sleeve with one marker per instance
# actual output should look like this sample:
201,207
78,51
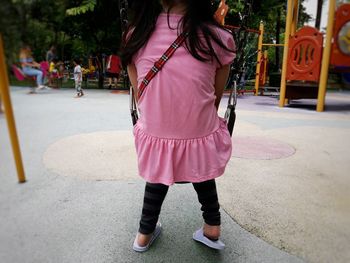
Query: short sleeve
226,57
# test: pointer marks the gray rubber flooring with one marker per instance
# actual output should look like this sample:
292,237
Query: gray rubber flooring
53,218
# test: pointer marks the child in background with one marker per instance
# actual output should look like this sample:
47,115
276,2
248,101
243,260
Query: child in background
52,66
53,73
78,77
60,69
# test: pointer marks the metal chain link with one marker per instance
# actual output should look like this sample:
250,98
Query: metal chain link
123,9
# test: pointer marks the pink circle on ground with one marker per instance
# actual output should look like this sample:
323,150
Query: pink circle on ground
260,148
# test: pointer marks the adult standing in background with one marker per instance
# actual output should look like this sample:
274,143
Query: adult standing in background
51,54
113,69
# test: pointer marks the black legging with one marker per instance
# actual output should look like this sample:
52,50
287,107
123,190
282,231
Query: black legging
155,195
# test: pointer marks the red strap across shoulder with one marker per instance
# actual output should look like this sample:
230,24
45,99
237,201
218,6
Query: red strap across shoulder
158,65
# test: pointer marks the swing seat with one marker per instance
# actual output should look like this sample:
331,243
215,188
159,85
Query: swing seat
20,75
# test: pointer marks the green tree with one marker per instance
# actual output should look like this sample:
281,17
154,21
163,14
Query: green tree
86,5
97,26
9,30
41,23
36,23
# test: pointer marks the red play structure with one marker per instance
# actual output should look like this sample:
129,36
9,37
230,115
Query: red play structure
305,55
341,45
311,56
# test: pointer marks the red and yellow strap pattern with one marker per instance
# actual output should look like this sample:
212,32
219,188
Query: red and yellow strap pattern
158,65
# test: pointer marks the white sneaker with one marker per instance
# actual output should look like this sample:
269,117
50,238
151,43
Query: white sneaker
155,234
200,237
43,87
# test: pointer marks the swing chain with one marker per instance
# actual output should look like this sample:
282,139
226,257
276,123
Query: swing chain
123,9
241,39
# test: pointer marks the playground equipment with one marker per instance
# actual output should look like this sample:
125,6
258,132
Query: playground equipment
44,66
263,69
5,98
221,12
306,62
247,61
239,66
262,60
341,44
261,64
245,38
21,76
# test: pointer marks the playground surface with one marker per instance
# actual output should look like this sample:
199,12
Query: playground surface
284,194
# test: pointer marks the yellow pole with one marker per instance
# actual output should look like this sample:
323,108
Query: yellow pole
265,66
294,25
326,57
285,53
4,91
273,45
1,111
260,44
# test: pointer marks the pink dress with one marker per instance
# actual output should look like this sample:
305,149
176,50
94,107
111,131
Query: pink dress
179,136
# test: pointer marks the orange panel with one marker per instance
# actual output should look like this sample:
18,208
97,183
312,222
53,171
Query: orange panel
221,13
340,55
304,55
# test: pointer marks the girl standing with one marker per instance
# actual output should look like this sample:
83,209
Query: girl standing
179,136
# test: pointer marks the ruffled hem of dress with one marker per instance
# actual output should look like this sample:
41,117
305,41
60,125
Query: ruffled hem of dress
167,161
215,175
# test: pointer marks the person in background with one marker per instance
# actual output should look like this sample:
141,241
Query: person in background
113,70
179,136
30,67
78,77
92,67
52,65
53,72
51,54
59,65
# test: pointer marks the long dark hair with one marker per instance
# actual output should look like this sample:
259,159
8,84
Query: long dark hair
198,18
